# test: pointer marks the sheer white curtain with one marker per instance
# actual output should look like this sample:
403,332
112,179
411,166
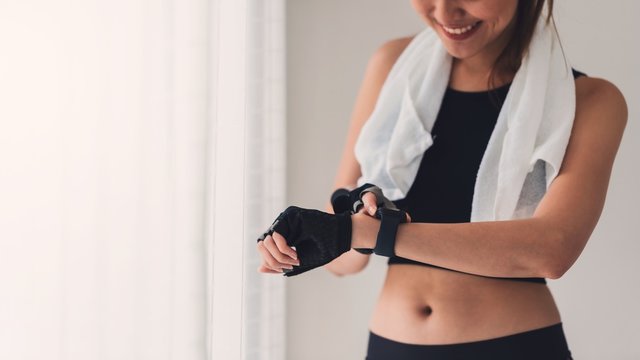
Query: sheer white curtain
115,184
249,182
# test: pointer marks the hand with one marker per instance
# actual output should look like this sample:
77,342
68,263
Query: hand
318,237
276,254
369,200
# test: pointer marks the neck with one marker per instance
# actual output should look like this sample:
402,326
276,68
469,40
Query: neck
465,78
478,67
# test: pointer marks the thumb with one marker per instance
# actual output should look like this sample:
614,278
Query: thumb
369,200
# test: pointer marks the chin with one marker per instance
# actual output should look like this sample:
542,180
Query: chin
459,54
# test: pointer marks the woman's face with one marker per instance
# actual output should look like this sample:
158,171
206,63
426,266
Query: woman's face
489,18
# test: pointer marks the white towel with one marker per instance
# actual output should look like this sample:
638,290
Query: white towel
534,124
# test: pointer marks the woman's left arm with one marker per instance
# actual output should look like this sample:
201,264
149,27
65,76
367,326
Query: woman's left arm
548,243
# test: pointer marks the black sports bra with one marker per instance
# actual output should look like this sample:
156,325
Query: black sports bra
461,133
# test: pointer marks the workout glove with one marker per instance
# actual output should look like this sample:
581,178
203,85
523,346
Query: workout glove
344,200
319,237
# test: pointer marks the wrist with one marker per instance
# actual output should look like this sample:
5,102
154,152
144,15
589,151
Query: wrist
364,231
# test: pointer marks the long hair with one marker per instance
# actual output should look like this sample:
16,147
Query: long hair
510,59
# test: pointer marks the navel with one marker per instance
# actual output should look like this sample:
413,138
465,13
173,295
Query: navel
426,310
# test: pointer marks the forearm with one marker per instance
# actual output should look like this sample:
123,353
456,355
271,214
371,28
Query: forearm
514,248
348,263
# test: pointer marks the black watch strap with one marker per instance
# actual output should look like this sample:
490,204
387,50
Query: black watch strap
389,221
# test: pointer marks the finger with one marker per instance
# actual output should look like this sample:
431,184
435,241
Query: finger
369,201
270,244
263,268
281,243
269,260
408,217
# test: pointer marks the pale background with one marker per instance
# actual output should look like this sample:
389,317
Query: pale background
329,43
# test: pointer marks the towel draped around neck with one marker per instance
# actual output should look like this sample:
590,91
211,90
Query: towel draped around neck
525,150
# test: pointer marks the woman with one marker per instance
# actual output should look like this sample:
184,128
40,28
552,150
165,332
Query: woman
487,297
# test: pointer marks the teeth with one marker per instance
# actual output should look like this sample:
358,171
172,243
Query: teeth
459,30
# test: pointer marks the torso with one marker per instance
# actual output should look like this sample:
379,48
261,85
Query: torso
424,305
427,305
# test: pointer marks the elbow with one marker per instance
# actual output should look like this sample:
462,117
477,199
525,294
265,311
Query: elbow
558,269
334,271
341,272
555,273
347,264
558,259
338,274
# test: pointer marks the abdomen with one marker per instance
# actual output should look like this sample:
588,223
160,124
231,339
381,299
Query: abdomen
424,305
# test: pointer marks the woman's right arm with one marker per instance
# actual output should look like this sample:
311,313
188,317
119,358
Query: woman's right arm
349,171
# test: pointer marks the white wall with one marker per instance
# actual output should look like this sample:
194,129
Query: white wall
329,43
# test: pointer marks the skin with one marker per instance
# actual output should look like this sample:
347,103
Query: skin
425,305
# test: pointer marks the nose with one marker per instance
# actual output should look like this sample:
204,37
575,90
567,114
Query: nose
447,11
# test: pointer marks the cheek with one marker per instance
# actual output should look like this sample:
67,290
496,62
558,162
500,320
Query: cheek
496,22
501,11
420,7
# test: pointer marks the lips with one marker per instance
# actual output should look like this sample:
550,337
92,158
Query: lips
464,35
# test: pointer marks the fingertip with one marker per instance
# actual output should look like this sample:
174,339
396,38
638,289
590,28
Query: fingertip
369,199
280,237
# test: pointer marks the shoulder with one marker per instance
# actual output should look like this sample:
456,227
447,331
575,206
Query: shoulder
392,49
380,64
593,88
600,105
388,52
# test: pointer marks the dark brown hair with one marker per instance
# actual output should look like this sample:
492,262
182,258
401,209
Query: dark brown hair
526,18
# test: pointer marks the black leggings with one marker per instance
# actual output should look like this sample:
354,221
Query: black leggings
546,343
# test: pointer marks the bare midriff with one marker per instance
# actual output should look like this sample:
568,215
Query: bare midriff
426,305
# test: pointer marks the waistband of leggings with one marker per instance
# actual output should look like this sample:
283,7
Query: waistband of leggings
546,340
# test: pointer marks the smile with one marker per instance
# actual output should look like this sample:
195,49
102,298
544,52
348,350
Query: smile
461,33
460,30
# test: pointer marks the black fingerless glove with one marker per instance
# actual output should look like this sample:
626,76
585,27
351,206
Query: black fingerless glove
344,200
319,237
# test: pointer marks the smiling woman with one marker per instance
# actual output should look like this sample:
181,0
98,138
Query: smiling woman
497,287
497,18
504,29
